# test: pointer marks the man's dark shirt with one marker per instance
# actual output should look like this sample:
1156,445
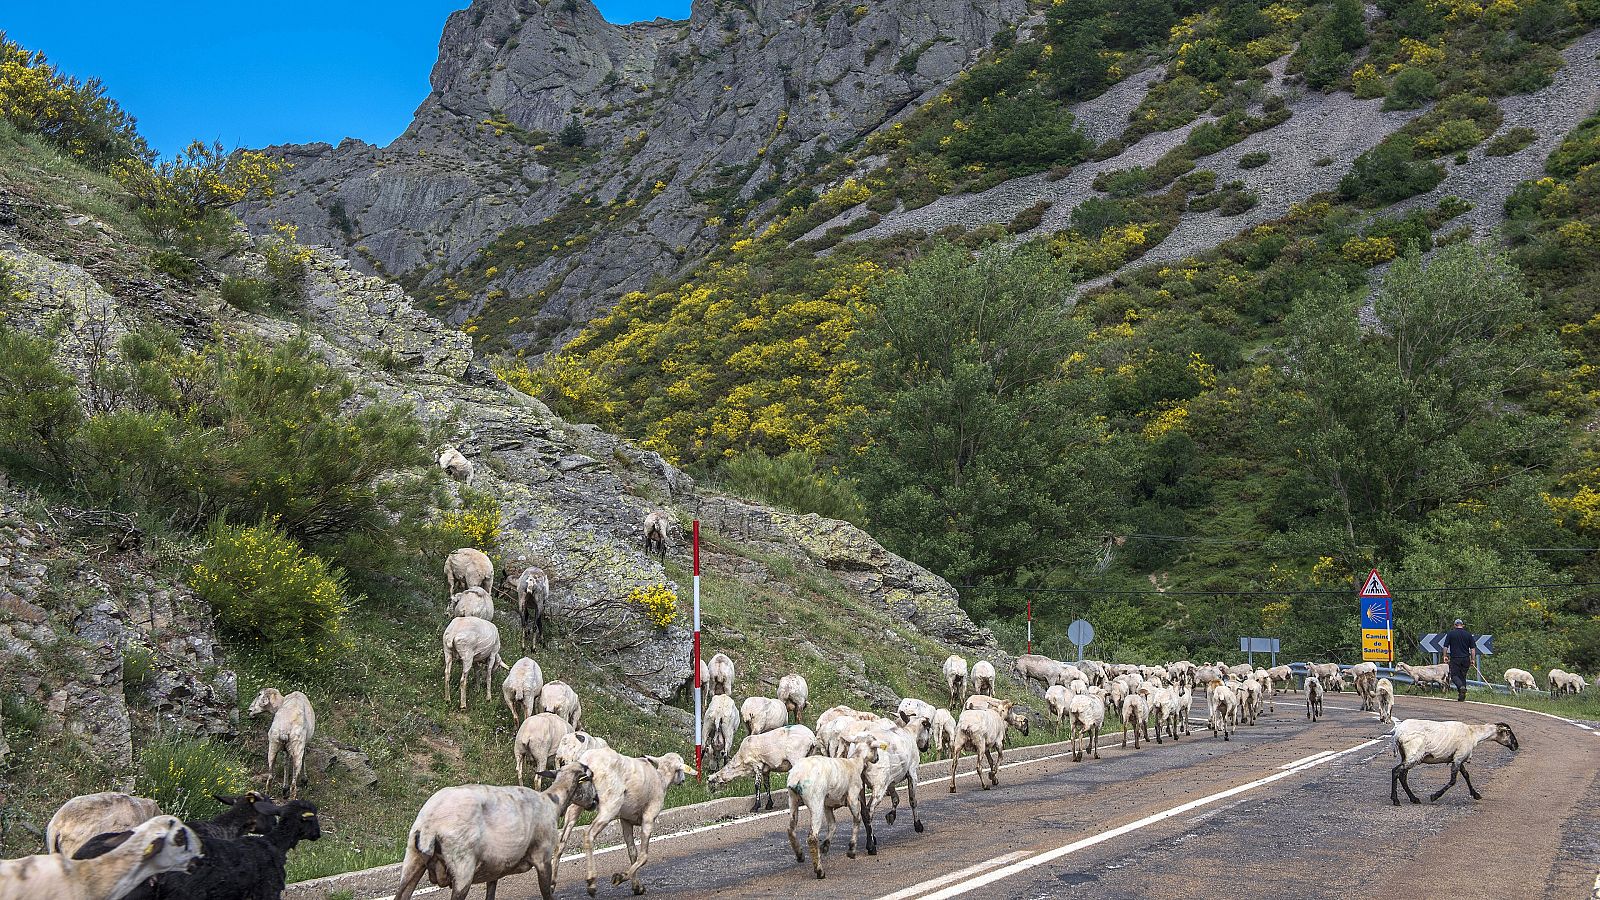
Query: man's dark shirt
1459,642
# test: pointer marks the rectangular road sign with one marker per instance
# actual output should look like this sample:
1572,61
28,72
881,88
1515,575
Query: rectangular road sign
1375,644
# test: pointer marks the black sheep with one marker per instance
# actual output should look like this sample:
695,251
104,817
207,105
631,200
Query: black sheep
247,813
245,868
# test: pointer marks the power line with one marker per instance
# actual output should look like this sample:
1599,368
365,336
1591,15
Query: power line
1178,538
1297,592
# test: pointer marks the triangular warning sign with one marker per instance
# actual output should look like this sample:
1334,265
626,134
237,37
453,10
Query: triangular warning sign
1375,586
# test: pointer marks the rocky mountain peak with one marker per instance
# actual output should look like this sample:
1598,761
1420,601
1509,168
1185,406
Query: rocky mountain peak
688,125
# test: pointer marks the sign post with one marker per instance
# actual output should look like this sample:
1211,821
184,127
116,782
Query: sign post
1377,620
699,723
1030,626
1080,632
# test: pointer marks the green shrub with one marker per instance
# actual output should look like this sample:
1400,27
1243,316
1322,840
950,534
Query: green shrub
1388,173
248,294
1450,137
1236,202
39,410
185,201
1511,141
1030,132
138,669
265,588
1201,182
1255,160
181,775
1125,183
793,481
573,134
1412,87
1580,148
1028,219
75,116
1095,215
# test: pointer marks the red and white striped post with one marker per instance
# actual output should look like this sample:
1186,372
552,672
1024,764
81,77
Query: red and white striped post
699,723
1030,625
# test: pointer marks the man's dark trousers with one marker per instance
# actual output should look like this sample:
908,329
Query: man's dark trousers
1458,675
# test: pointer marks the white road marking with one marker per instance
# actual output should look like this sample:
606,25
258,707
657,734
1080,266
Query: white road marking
1305,759
916,890
1532,711
971,884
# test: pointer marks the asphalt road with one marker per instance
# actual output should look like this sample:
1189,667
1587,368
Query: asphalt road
1286,809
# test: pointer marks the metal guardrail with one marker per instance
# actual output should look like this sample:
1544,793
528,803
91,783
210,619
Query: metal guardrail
1401,677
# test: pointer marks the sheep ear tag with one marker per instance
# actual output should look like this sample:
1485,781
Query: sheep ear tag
307,814
155,847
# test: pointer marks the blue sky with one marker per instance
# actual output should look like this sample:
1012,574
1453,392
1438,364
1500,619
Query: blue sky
253,74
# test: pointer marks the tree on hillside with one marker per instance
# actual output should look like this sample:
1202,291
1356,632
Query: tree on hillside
1395,423
981,458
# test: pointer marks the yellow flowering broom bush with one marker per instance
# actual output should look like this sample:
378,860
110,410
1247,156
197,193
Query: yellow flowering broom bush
264,587
660,604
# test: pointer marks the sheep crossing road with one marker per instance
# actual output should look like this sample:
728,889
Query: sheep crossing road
1287,808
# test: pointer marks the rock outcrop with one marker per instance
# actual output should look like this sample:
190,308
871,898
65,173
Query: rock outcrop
573,498
682,118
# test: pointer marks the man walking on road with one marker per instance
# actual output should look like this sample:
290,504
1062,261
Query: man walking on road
1462,648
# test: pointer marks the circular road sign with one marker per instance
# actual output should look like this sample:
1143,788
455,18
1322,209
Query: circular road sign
1080,632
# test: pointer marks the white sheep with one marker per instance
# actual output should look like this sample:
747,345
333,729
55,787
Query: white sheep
823,784
474,601
1224,708
795,694
943,732
1563,682
984,732
1327,673
1136,715
573,744
984,701
293,724
1313,697
1418,741
81,818
657,526
759,755
1185,707
1088,715
759,714
1164,707
466,568
558,697
834,723
955,679
478,834
521,688
722,721
720,671
538,737
1520,678
472,641
533,596
911,706
161,844
1250,695
1384,698
455,464
630,792
1437,675
1365,675
1282,678
1093,671
1058,699
898,755
982,677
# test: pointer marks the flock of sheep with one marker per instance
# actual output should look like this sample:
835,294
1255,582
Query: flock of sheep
110,846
